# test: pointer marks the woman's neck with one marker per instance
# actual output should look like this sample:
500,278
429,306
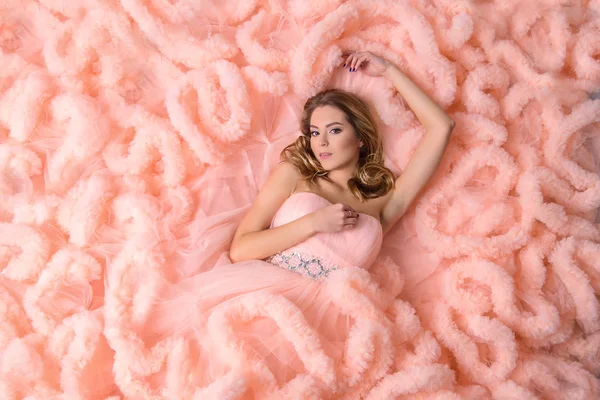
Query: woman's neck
340,177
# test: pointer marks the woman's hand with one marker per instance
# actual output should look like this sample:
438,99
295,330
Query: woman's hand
367,63
334,218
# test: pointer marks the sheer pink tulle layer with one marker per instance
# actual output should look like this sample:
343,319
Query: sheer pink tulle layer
135,134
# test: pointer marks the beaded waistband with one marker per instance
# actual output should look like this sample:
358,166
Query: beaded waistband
303,263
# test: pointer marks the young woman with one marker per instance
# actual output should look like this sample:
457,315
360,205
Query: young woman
339,157
288,313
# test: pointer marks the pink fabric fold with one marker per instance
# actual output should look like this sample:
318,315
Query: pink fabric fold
134,135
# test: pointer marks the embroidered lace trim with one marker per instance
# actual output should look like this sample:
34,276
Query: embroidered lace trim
302,263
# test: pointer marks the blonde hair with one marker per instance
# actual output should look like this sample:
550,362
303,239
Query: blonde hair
371,178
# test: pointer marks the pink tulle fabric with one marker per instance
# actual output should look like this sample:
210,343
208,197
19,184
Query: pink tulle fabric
280,328
135,134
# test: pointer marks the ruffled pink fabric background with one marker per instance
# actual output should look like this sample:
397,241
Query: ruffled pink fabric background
134,135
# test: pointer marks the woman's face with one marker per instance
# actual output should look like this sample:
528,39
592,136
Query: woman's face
333,140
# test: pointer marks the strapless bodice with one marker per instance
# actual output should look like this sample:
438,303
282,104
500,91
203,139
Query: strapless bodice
322,253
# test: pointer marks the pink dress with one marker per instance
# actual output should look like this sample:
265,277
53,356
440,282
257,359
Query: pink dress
308,320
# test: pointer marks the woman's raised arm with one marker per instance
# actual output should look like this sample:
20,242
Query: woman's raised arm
428,155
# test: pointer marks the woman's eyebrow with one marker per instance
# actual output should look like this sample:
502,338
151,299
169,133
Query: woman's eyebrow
326,126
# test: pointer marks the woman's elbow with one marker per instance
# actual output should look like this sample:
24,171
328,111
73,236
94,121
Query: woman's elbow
237,253
234,253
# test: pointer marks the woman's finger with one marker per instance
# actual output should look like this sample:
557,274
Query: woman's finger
350,222
349,60
353,61
361,60
349,212
354,64
348,208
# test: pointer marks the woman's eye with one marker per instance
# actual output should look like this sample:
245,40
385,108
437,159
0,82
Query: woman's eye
314,133
336,130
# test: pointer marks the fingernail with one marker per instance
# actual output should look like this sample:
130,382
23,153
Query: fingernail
344,65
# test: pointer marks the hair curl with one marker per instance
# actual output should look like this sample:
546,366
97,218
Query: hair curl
371,178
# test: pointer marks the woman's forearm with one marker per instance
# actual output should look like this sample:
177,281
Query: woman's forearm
427,111
262,244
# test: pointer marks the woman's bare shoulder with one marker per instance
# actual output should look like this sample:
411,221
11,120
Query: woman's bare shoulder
280,184
288,168
285,176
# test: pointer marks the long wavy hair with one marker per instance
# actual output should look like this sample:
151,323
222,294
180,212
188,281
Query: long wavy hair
371,178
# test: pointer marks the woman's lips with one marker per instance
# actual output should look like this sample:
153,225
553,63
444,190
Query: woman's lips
324,155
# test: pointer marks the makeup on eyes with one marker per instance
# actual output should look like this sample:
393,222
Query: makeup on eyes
327,126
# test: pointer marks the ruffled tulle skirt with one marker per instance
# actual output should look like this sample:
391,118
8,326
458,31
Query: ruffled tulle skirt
257,319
